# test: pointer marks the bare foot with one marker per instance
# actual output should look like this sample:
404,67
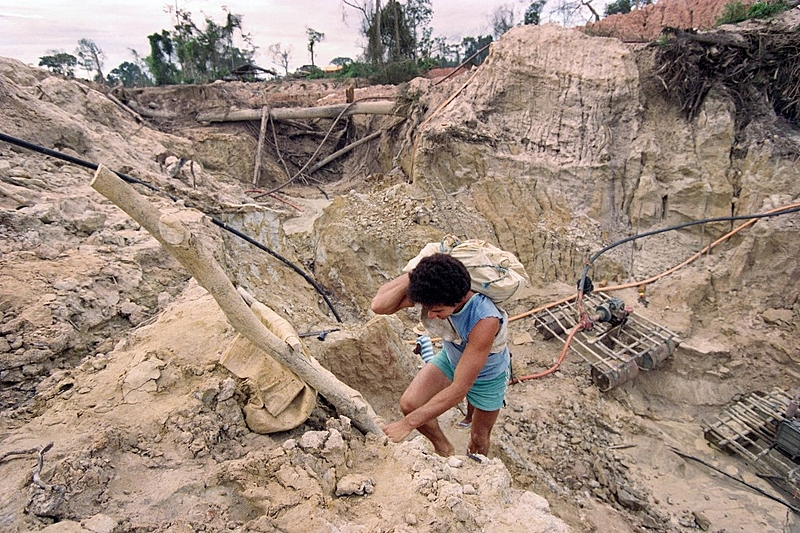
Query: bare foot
442,446
445,451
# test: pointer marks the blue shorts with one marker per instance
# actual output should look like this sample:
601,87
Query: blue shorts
486,395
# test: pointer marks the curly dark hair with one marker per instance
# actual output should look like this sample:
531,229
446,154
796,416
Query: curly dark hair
438,279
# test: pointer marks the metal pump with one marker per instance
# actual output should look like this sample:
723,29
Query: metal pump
612,311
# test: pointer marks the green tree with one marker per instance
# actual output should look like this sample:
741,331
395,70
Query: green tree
621,7
418,18
618,7
390,32
393,30
91,57
533,15
129,75
473,45
445,54
313,38
161,59
502,20
209,54
59,63
370,28
575,11
395,35
190,54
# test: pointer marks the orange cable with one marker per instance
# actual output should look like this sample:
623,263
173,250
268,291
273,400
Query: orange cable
661,275
652,279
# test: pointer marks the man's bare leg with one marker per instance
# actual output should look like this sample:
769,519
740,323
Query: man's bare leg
427,383
481,431
433,432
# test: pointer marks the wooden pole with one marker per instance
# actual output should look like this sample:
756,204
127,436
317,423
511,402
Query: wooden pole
126,108
261,134
171,231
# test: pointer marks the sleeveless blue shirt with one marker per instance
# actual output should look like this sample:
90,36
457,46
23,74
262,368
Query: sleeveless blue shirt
477,308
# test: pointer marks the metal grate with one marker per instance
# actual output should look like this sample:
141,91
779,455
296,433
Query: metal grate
748,428
616,353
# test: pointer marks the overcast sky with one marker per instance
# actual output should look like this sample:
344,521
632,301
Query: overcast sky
30,29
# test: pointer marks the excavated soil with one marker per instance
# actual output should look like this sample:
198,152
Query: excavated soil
555,147
646,23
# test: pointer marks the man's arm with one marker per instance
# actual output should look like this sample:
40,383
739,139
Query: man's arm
392,296
469,366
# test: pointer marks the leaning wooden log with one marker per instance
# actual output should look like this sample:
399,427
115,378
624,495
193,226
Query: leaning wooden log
717,38
125,108
186,247
388,107
339,153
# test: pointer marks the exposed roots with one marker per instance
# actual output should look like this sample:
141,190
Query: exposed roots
756,67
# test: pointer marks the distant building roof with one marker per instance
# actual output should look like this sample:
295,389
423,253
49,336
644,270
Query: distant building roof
248,72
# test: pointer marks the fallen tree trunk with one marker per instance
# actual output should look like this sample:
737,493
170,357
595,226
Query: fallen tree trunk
388,107
173,234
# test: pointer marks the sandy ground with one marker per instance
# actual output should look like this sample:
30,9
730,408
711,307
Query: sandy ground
112,352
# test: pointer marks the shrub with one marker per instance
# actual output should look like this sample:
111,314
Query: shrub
734,12
355,70
737,12
395,73
762,10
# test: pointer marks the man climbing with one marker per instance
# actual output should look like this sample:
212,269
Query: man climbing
474,360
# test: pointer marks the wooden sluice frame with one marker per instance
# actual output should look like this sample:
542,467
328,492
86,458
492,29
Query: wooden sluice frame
615,353
747,428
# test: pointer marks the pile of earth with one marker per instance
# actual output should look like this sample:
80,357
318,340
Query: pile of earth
111,351
646,23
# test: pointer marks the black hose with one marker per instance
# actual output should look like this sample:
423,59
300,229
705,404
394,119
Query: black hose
280,258
79,162
672,228
714,468
93,166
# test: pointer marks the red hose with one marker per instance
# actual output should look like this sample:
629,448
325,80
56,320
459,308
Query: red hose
553,368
